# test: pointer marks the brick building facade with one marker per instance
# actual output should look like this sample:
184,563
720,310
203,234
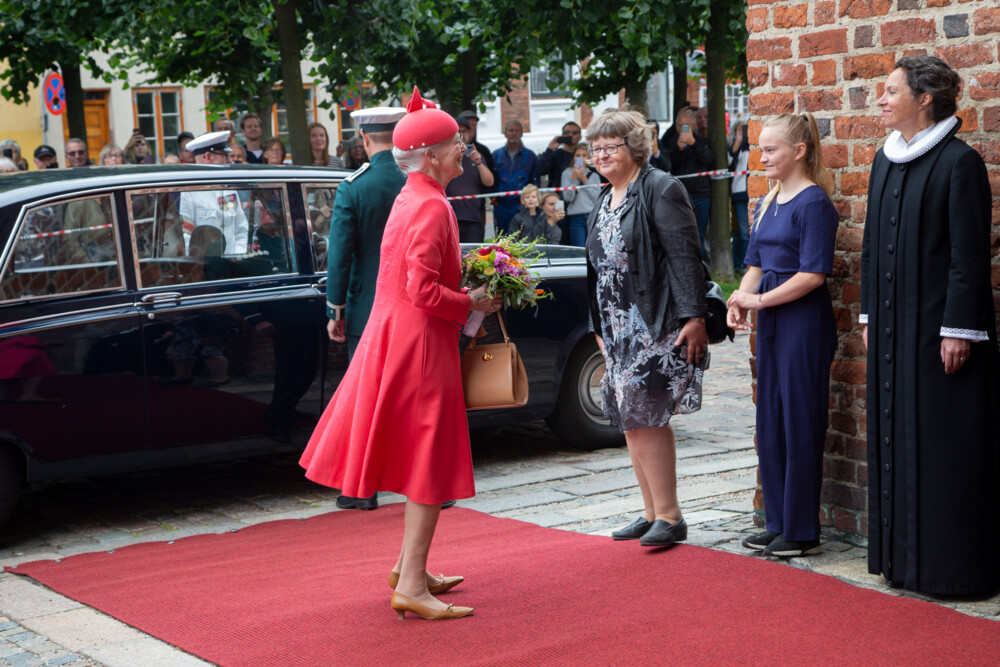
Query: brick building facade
831,57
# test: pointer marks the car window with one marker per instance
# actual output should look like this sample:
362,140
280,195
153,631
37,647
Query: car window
187,235
63,248
319,199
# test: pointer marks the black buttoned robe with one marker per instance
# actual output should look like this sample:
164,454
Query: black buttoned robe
933,438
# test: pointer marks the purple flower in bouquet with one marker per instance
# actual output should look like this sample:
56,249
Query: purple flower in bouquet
503,267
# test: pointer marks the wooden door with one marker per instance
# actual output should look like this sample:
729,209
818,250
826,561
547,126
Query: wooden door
95,112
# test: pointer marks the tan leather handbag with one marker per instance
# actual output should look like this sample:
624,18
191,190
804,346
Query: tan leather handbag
493,375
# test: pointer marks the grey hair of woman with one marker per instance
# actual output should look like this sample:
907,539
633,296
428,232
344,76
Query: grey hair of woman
927,74
10,143
107,149
413,160
629,126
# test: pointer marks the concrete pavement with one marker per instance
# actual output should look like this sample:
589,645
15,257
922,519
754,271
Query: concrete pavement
522,472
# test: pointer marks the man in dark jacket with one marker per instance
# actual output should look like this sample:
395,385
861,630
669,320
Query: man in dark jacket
559,154
360,212
690,153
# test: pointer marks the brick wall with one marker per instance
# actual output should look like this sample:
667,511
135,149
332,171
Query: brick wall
831,57
517,105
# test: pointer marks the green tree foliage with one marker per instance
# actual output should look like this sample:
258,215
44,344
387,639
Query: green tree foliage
231,42
461,50
245,47
38,36
622,42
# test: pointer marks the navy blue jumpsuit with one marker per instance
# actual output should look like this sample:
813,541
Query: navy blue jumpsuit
795,346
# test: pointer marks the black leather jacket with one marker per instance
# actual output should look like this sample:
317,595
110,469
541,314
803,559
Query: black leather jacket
664,254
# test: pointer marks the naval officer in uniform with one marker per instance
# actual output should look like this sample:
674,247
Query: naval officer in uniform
360,211
217,208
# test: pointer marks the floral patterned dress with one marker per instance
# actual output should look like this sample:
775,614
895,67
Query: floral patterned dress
647,381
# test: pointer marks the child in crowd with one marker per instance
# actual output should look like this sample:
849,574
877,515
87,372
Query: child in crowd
533,221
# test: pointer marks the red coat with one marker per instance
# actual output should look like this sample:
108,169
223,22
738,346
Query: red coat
397,421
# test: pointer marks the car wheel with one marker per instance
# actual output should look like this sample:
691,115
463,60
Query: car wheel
579,419
11,480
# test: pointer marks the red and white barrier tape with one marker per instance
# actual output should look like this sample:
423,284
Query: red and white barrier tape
723,173
514,193
718,173
63,232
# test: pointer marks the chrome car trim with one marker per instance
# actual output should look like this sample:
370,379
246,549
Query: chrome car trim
161,296
71,317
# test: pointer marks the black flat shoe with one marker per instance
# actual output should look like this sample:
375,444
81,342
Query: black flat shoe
783,548
352,503
759,541
633,531
664,534
448,503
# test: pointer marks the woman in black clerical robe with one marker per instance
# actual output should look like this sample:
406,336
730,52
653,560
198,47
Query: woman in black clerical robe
933,393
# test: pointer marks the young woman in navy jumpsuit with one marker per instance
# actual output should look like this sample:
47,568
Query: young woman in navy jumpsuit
789,256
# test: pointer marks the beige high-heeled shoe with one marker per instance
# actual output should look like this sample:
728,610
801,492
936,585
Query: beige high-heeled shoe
403,604
444,583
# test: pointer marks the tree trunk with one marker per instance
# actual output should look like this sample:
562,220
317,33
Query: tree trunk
291,75
75,118
635,94
720,224
470,78
680,85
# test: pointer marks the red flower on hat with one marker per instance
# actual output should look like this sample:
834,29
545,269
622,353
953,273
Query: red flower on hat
423,125
417,102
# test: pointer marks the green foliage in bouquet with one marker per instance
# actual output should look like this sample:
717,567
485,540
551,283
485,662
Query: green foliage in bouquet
503,267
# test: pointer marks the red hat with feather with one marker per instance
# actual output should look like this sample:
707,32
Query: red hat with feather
423,125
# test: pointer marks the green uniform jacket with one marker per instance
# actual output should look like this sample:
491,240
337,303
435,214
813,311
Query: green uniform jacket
360,211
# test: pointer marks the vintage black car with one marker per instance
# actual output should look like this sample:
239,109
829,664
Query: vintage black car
158,316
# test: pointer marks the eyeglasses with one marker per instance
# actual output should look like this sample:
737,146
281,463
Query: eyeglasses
610,149
76,152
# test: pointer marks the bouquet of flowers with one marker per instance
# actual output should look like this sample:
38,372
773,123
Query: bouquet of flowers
503,267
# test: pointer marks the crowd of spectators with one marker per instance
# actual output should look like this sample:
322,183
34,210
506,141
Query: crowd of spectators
565,163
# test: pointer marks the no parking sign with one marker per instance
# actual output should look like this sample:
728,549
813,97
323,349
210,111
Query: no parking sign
55,93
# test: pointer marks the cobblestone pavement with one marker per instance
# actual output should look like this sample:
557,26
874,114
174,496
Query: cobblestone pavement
522,472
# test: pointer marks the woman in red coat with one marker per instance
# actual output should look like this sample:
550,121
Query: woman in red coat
397,421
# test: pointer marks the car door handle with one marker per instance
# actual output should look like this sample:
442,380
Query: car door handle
321,282
161,296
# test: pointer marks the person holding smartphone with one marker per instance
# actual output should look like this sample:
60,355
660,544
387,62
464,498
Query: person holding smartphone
137,150
559,153
580,202
12,151
690,153
476,178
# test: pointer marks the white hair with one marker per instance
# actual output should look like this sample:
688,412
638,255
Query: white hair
10,143
411,160
414,159
7,166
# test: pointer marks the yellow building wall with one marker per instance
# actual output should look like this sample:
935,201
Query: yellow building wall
22,122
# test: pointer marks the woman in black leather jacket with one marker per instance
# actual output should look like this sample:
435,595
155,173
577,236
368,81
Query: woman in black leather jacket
647,302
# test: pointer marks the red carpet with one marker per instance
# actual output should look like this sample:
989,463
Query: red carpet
313,592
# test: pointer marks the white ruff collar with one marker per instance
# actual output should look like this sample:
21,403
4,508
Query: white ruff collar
897,150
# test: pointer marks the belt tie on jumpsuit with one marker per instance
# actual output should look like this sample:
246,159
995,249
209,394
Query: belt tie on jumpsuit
766,325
